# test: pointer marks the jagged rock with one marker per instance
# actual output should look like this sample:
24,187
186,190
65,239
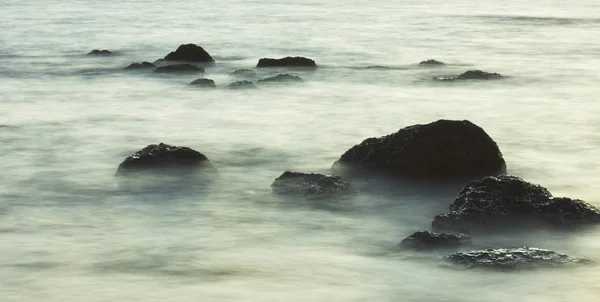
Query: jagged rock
163,158
431,62
311,185
143,65
287,62
425,240
204,83
97,52
478,75
241,85
281,78
179,68
190,53
513,258
509,202
443,149
248,73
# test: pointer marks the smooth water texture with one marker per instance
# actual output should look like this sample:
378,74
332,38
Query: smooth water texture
68,233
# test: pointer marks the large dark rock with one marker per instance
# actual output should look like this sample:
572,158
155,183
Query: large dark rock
431,62
513,258
241,85
204,83
443,149
190,53
312,186
247,73
478,75
507,202
281,78
167,159
287,62
97,52
427,240
142,65
176,68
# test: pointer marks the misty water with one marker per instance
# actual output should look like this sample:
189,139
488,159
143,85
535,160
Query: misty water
68,233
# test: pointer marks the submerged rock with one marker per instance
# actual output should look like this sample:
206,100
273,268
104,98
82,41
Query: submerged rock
164,158
208,83
142,65
513,258
287,62
97,52
241,85
191,53
179,68
311,185
478,75
425,240
508,202
431,62
248,73
443,149
281,78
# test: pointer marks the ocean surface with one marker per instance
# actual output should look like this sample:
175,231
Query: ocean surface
68,233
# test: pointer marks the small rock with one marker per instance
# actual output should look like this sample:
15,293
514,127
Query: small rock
281,78
431,62
287,62
97,52
143,65
248,73
179,68
190,53
241,85
478,75
164,158
204,83
513,258
425,240
311,185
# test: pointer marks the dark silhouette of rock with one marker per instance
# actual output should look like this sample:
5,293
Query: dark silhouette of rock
190,53
97,52
189,68
431,62
163,158
248,73
241,85
507,202
287,62
427,240
513,258
311,185
281,78
444,149
208,83
478,75
143,65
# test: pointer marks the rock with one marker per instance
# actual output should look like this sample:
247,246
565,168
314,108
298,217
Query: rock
507,202
190,53
444,149
165,158
513,258
143,65
312,186
248,73
424,240
281,78
431,62
287,62
97,52
241,85
179,68
478,75
204,83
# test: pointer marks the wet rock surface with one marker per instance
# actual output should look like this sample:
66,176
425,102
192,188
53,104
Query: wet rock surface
508,202
287,62
431,62
204,83
190,53
241,85
98,52
142,65
443,149
247,73
478,75
281,78
164,158
430,240
311,185
178,68
513,258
